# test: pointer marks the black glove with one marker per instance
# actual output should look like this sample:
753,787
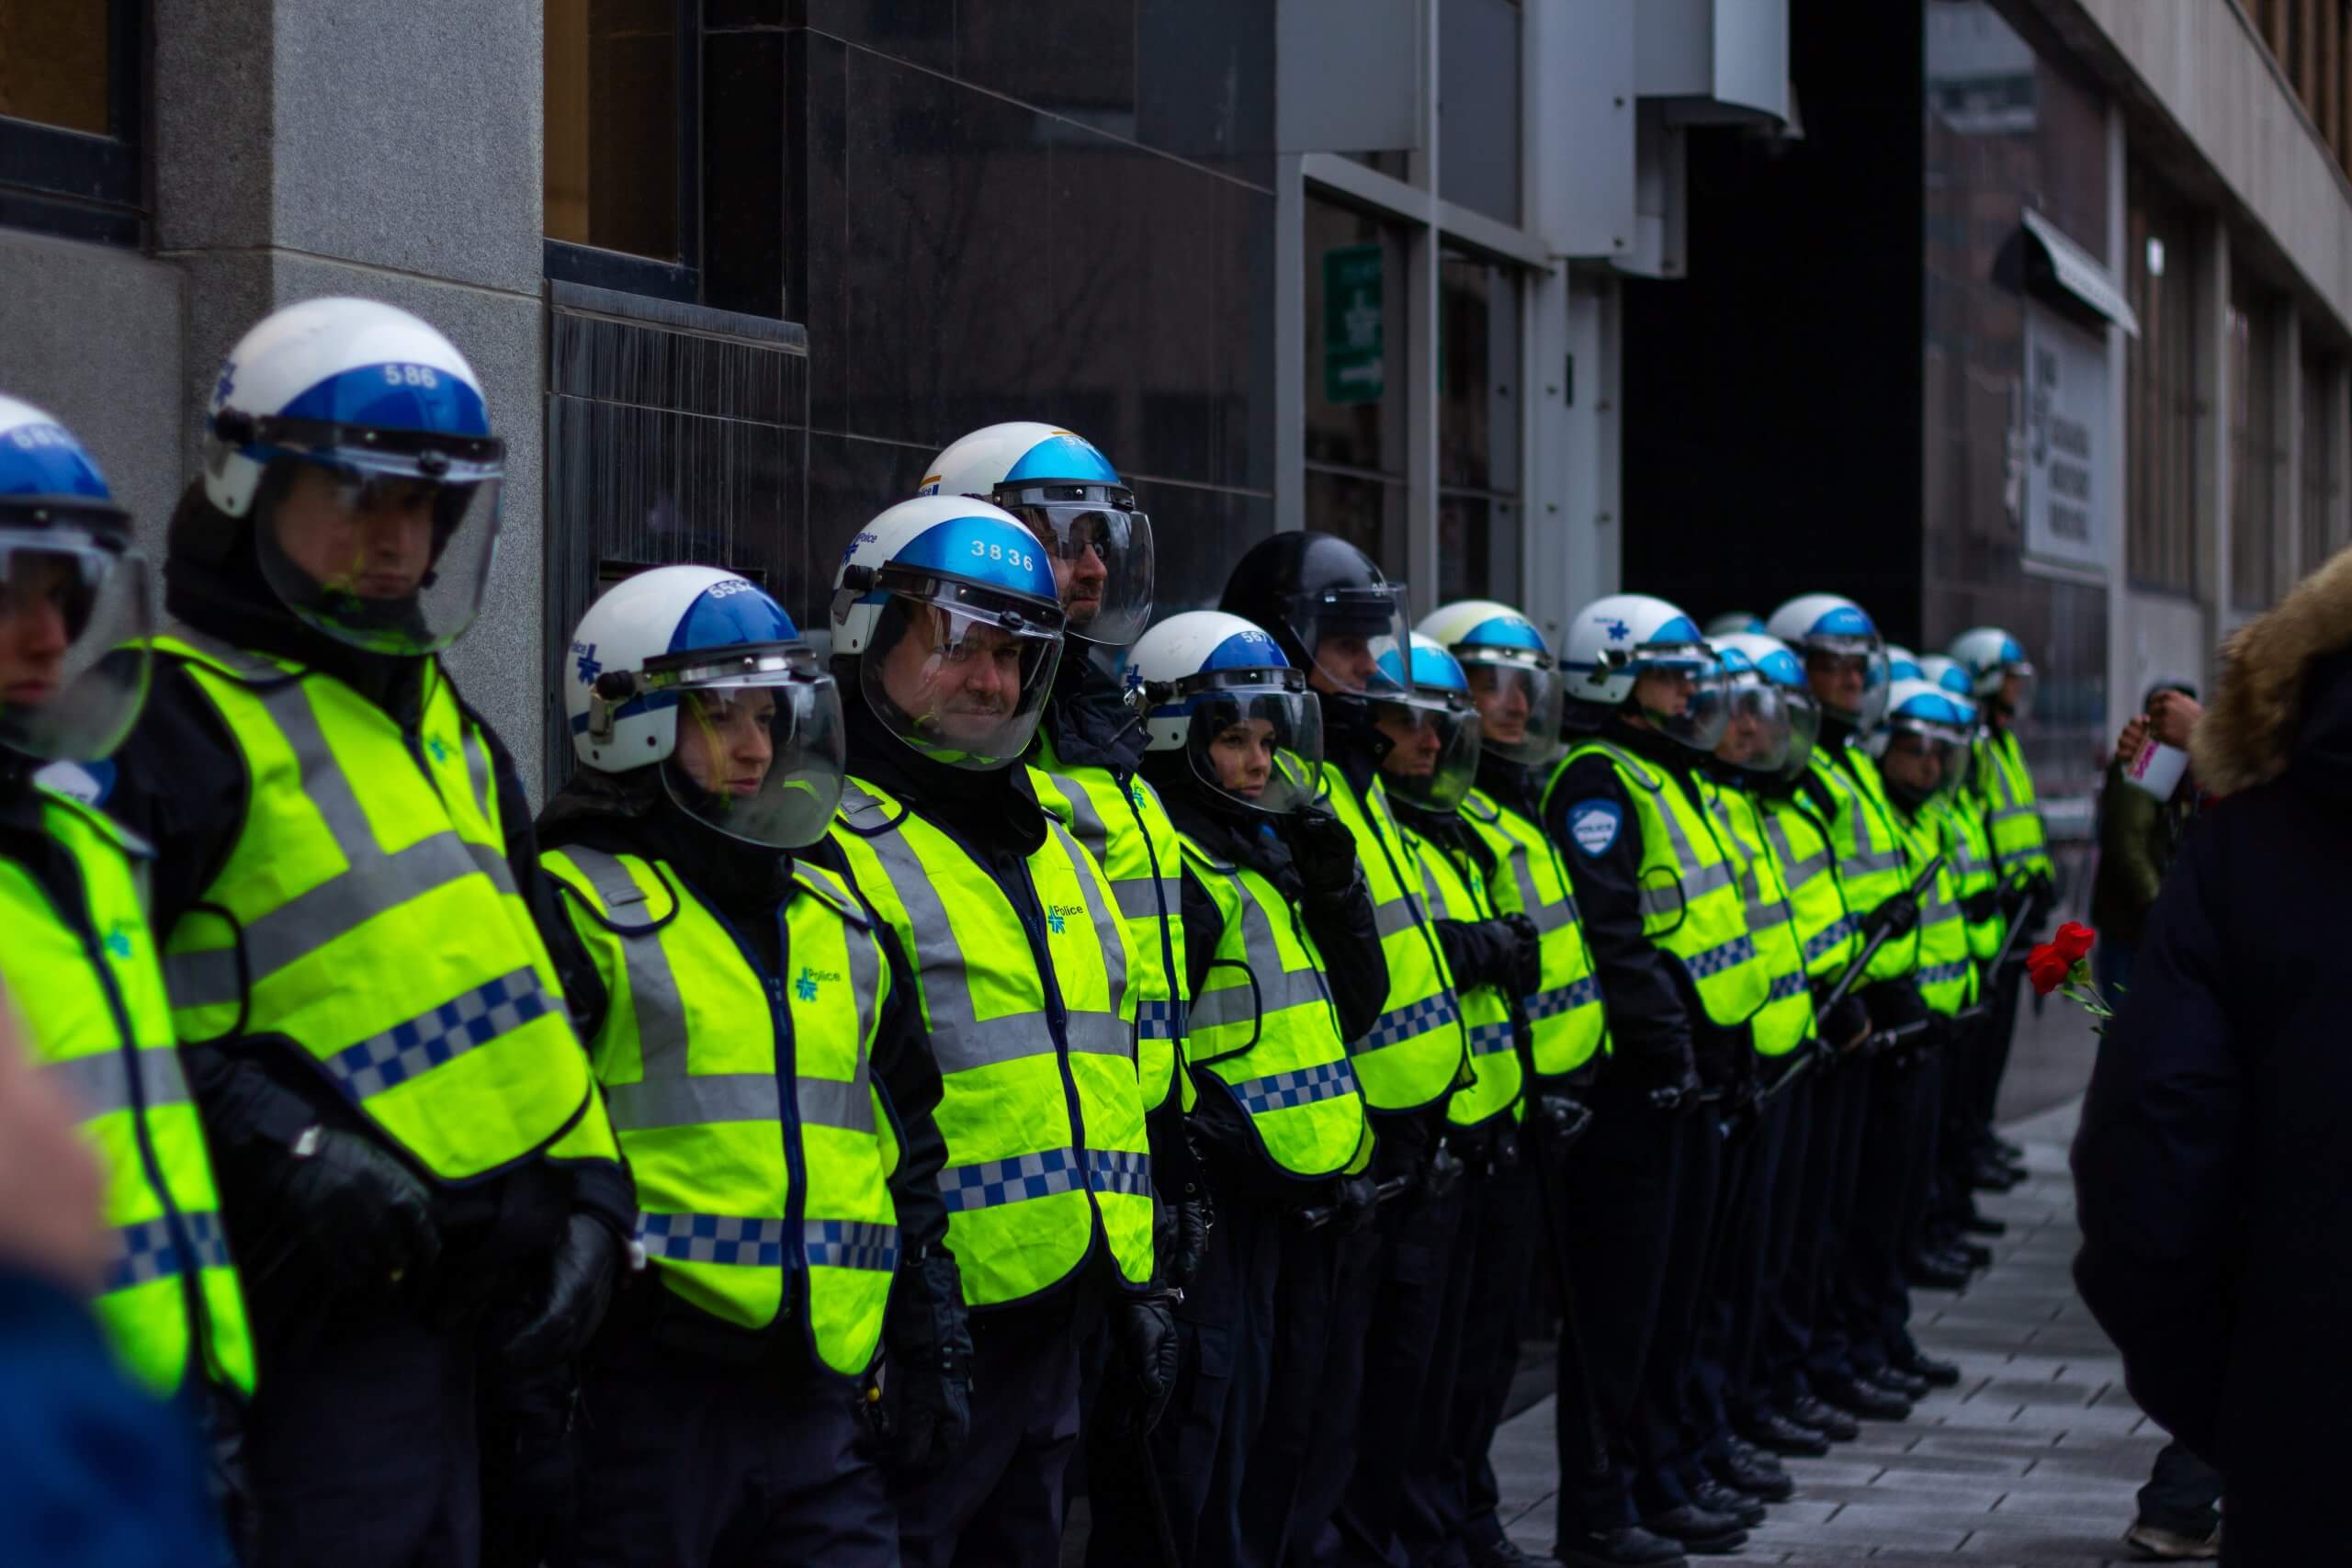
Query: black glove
1844,1025
1145,1353
1181,1237
1354,1204
1560,1120
1980,908
1444,1172
570,1308
359,1214
1898,915
1668,1075
1323,849
930,1381
1527,964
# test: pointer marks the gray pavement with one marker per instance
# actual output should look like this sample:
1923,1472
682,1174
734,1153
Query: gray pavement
2032,1460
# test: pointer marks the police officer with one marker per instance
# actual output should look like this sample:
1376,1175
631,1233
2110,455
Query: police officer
946,616
1867,1110
1335,615
1667,921
413,1158
79,963
1560,1024
762,1058
1285,967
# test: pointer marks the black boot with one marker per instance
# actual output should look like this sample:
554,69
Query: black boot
1825,1418
1746,1471
1928,1368
1911,1387
1700,1530
1717,1498
1627,1546
1776,1433
1866,1400
1984,1224
1932,1273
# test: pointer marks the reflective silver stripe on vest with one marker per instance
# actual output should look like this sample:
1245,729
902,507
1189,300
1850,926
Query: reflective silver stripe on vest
372,883
465,1023
1139,897
1693,883
850,1243
1784,987
1409,1022
1486,1039
1716,960
1276,989
100,1083
1565,998
1301,1086
959,1040
1944,974
147,1251
1838,932
1795,871
1766,915
1396,915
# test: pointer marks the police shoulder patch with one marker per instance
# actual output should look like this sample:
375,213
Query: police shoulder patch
1594,825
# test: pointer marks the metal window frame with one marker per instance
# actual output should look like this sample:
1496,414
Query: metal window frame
595,267
75,184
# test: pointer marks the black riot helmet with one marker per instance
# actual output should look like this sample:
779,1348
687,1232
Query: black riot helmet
1328,606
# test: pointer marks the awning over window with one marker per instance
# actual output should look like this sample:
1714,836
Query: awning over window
2074,272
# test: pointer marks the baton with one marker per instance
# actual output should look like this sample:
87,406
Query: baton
1320,1215
1853,974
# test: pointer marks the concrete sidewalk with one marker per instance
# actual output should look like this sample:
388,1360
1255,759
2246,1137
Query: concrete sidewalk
2032,1460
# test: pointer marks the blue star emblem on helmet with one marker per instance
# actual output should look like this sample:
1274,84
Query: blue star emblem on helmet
227,384
586,663
1618,630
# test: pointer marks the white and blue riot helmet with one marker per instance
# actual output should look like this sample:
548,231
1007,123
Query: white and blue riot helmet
1432,726
1777,700
1217,689
1902,664
1844,656
1923,746
74,664
698,672
357,439
1514,679
1943,669
1999,674
949,606
1062,486
1735,623
1629,649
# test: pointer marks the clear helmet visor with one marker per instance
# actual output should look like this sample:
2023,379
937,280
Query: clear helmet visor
760,755
1102,561
74,660
1259,745
959,674
1805,730
365,548
1924,761
1432,750
1348,634
1520,705
1683,695
1759,726
1851,678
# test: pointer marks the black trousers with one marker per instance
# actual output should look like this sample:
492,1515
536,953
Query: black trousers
1841,1124
1792,1256
1507,1237
690,1461
1306,1448
1755,1247
1659,1415
1623,1180
1874,1297
362,1446
1000,1500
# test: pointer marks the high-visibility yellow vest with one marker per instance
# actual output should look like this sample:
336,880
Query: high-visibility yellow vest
1827,932
1946,975
2006,785
745,1101
1873,854
1418,1048
1970,850
1033,1031
1126,830
1786,1020
1456,890
367,914
1693,906
1565,1015
1265,1028
86,983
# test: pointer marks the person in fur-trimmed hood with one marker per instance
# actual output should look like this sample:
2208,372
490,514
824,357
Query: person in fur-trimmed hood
2213,1170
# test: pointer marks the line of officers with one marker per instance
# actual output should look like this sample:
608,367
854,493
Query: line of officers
876,1080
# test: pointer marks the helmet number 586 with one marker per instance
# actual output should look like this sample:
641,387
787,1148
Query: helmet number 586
411,376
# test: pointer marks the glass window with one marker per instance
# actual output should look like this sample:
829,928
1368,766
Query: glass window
613,121
54,64
1477,430
2257,449
2323,485
1355,380
2160,389
72,90
1477,53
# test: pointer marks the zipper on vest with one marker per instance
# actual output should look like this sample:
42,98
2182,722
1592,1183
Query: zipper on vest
787,1092
1167,948
1421,915
1023,899
199,1316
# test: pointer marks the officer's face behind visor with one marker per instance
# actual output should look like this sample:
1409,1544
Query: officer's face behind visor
73,670
764,761
1919,762
958,684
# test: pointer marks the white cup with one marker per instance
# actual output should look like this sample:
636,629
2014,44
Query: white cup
2157,769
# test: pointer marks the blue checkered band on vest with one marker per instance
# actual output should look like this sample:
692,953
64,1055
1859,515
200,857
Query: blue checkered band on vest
440,1035
1013,1180
1944,974
1115,1170
1715,960
1414,1018
1486,1039
713,1238
1784,987
1565,998
150,1251
1838,932
1301,1086
850,1243
1159,1021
